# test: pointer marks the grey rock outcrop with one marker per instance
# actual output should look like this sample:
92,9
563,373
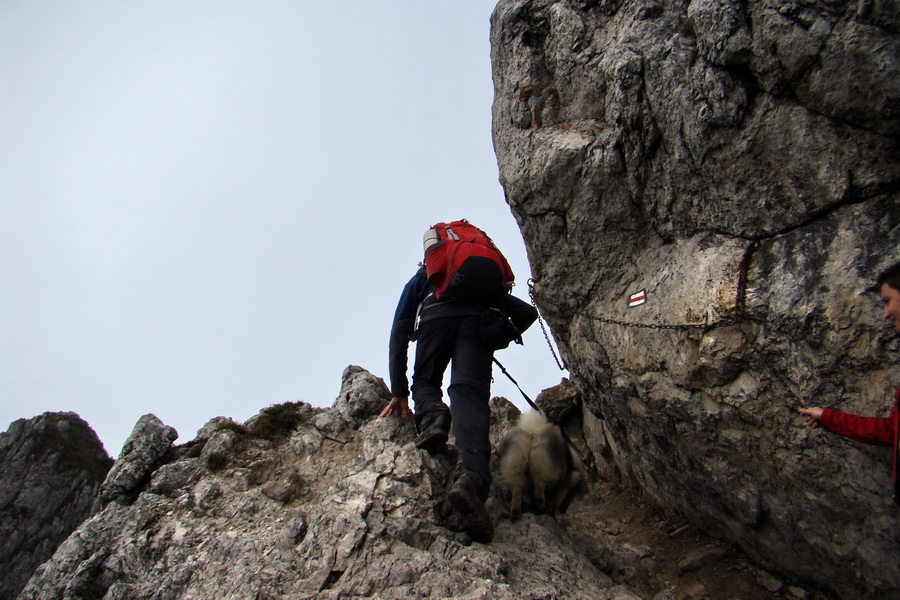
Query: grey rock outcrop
51,468
349,511
362,394
738,163
141,454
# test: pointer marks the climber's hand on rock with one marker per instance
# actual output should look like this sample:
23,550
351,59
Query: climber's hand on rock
811,415
397,406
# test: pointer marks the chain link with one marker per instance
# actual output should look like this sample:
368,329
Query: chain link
656,326
559,363
741,293
719,323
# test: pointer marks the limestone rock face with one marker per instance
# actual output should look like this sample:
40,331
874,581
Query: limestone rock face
141,453
51,468
737,162
302,502
361,395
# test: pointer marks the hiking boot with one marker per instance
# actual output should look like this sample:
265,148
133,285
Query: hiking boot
435,429
467,499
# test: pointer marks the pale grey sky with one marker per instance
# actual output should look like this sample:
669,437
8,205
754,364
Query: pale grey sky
209,207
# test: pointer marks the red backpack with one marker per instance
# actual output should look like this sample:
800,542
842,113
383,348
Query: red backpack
462,263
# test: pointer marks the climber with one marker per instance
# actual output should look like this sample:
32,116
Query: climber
453,331
870,430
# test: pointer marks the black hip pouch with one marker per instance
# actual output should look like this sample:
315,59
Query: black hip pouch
496,330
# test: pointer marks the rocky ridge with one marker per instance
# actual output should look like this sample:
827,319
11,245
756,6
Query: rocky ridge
51,468
303,502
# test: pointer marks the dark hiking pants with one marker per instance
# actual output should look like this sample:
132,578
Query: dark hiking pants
455,341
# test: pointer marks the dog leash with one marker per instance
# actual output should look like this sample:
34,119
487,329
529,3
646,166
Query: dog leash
516,383
532,404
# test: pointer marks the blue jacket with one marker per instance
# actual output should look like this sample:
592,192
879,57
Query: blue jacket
417,299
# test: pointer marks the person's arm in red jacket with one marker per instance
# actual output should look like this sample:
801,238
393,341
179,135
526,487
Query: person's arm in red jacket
876,431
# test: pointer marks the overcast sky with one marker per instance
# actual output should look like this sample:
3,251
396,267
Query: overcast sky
210,207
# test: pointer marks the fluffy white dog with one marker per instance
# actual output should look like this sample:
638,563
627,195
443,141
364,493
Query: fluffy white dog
539,466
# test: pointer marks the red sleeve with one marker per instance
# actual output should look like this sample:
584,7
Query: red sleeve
869,430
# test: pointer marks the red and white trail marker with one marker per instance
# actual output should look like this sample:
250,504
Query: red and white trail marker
637,299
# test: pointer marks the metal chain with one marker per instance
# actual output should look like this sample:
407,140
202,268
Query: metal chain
656,326
559,363
739,301
719,323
